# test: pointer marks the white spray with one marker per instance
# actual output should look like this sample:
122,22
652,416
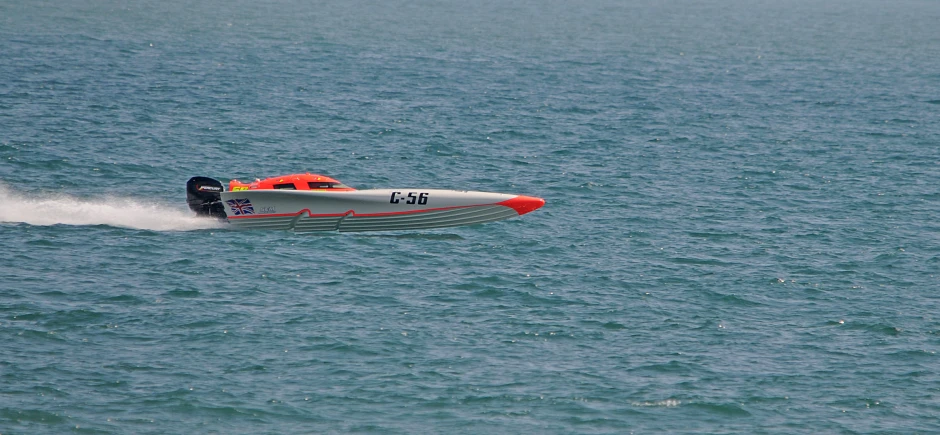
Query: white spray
53,209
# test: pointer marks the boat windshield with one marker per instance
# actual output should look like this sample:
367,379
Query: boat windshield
326,185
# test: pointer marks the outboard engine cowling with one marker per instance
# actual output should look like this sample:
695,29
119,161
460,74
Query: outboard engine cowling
204,196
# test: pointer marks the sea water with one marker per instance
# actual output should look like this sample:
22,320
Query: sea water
741,231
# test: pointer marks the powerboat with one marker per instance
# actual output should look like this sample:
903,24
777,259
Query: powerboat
312,202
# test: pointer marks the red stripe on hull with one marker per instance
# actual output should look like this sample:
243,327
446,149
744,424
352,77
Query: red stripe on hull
353,212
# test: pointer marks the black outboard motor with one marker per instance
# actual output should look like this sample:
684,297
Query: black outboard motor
204,196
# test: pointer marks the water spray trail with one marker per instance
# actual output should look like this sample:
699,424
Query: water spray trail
56,209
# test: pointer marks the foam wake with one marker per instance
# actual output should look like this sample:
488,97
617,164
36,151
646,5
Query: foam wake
55,209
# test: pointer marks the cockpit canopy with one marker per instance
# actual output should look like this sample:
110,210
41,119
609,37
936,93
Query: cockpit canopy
305,181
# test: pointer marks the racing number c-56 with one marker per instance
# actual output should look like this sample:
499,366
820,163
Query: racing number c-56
412,198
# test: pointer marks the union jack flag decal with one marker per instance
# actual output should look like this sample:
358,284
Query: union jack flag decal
241,206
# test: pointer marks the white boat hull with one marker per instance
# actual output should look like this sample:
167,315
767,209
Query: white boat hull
369,210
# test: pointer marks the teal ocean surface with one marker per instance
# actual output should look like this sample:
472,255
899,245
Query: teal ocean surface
741,235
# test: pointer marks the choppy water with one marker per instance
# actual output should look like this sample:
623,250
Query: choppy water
741,233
